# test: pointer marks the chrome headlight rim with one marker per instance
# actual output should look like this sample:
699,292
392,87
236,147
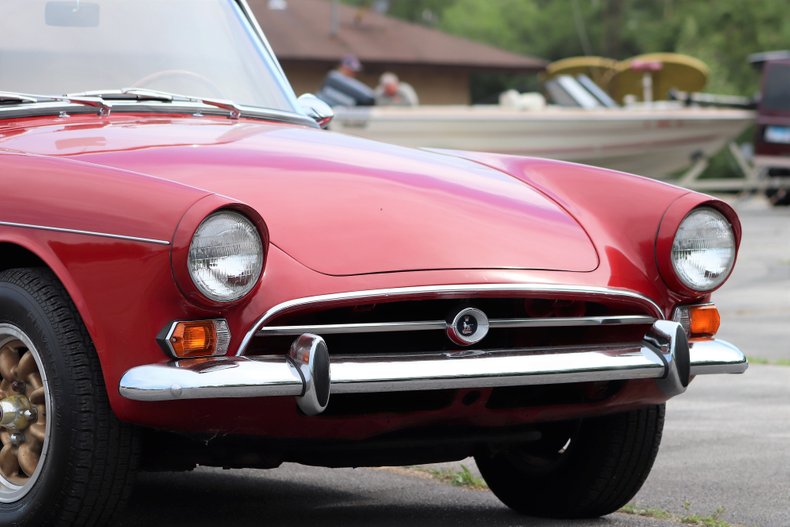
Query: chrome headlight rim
729,244
673,216
201,281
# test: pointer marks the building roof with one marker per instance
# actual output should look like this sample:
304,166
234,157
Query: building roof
301,31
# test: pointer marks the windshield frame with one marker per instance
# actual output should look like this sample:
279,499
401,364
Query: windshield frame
260,38
294,114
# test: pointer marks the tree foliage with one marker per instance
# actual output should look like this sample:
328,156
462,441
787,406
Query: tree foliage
722,33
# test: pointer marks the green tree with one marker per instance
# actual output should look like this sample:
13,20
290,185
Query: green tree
721,33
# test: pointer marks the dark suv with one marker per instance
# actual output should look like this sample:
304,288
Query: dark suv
772,134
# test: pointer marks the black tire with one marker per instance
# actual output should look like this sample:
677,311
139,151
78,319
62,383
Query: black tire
88,459
583,469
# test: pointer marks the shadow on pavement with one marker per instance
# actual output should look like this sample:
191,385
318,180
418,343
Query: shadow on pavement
254,498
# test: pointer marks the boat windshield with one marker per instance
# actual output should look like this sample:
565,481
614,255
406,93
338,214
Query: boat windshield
199,48
776,95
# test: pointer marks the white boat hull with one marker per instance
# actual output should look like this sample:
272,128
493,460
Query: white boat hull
654,142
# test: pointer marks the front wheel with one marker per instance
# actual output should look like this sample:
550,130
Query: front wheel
65,459
581,469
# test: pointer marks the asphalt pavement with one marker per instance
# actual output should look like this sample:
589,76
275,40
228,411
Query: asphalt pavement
755,301
725,452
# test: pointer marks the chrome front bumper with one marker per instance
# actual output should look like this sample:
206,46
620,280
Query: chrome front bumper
663,355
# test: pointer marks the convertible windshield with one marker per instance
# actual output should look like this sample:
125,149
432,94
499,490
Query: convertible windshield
201,48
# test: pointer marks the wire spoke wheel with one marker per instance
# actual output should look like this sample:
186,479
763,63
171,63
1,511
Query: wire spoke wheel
25,406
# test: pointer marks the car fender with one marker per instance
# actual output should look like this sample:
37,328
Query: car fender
622,213
82,214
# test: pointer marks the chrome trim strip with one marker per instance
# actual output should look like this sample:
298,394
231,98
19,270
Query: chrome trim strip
252,19
624,320
18,111
446,291
86,233
433,325
334,329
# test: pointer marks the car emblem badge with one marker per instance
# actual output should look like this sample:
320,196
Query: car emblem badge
468,326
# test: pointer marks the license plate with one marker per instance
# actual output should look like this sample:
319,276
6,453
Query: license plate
777,134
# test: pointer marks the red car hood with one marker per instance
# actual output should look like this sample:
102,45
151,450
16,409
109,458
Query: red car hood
337,204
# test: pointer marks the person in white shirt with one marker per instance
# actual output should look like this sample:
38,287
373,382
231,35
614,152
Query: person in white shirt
391,91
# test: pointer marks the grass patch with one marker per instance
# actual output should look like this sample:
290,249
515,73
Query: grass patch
458,478
768,362
714,520
696,520
659,514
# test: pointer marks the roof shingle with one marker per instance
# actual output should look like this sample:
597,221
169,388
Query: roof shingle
301,32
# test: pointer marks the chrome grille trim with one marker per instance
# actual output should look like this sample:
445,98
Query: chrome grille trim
433,325
446,291
334,329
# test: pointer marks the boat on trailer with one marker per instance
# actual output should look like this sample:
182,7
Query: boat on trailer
604,115
654,141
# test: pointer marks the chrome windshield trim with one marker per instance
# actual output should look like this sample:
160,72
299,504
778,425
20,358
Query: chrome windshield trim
64,109
444,290
245,8
433,325
247,11
85,233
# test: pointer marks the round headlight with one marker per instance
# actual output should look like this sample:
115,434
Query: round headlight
703,251
225,256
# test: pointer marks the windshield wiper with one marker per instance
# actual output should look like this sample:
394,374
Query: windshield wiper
29,98
145,94
128,94
16,98
102,99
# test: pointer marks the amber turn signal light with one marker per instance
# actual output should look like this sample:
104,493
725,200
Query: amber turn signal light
197,338
701,321
704,321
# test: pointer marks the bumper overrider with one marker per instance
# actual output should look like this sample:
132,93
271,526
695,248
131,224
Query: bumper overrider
664,355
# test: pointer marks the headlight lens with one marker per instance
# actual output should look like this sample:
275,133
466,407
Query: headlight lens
225,256
703,251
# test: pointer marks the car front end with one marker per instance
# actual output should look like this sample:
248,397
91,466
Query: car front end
188,280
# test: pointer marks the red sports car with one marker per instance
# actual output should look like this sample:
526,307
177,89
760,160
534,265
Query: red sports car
193,272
